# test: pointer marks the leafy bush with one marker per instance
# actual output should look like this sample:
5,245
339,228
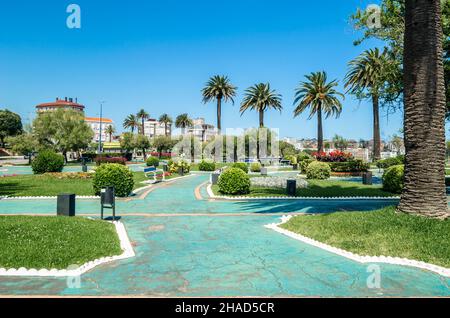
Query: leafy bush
292,159
393,179
174,167
241,165
47,161
303,156
255,167
105,160
234,181
350,166
334,156
206,166
152,162
305,163
389,162
318,170
113,175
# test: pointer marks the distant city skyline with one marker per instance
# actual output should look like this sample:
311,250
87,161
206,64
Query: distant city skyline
154,56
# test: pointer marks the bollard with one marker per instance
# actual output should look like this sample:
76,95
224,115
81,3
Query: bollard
66,205
264,171
215,178
292,188
108,201
367,178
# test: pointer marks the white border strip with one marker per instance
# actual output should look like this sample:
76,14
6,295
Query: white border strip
47,197
125,244
358,258
213,196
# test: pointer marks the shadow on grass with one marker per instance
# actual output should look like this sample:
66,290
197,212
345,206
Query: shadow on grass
12,188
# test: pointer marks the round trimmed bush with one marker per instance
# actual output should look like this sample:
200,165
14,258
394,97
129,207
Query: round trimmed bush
393,179
206,166
113,175
153,162
234,181
241,165
318,170
255,167
305,163
47,161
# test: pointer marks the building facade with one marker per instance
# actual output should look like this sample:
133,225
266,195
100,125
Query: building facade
66,103
201,130
94,123
153,128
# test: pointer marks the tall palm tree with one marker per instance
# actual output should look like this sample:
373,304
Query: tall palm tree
368,72
424,125
219,88
131,122
143,116
261,97
110,131
321,97
166,120
182,122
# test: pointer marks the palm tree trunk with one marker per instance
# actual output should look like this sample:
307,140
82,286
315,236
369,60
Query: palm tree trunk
319,130
424,185
219,115
261,119
143,129
376,128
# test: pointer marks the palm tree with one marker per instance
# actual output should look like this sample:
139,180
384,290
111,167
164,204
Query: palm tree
321,97
182,122
143,116
368,72
166,120
110,131
424,97
219,88
131,122
261,98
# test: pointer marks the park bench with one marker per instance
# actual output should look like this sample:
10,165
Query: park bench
153,172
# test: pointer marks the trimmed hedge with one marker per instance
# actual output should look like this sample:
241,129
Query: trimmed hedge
207,166
255,167
113,175
389,162
241,165
47,161
393,179
234,181
318,170
152,162
305,163
106,160
349,166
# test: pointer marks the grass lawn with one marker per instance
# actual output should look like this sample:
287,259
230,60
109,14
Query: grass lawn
323,188
381,232
41,185
194,166
54,242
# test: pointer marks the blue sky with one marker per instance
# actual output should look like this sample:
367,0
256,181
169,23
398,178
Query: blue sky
157,55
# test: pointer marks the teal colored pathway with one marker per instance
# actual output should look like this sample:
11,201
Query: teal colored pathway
213,252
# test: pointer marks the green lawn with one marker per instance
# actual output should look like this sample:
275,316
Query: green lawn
194,166
323,188
41,185
54,242
382,232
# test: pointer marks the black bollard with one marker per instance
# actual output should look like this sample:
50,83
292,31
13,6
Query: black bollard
292,188
66,205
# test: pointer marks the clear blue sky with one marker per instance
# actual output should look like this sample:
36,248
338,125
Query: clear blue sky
157,55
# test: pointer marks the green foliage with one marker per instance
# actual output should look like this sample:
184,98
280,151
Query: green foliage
47,161
128,142
349,166
303,156
206,166
305,163
292,159
318,171
234,181
255,167
287,149
23,144
116,175
389,162
10,125
164,144
340,142
260,98
152,162
174,167
393,179
241,165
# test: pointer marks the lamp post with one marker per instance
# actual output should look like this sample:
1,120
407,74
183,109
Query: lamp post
101,127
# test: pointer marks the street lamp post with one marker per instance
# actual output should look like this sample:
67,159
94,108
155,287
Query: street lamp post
101,127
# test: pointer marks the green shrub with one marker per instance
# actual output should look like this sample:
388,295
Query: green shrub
389,162
174,167
318,170
393,179
292,159
207,166
113,175
234,181
349,166
255,167
303,156
304,164
47,161
153,162
241,165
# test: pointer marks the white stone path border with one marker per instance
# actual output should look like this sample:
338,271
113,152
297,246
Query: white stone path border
358,258
238,198
125,244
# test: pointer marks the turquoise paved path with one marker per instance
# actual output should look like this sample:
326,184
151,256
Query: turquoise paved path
191,247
